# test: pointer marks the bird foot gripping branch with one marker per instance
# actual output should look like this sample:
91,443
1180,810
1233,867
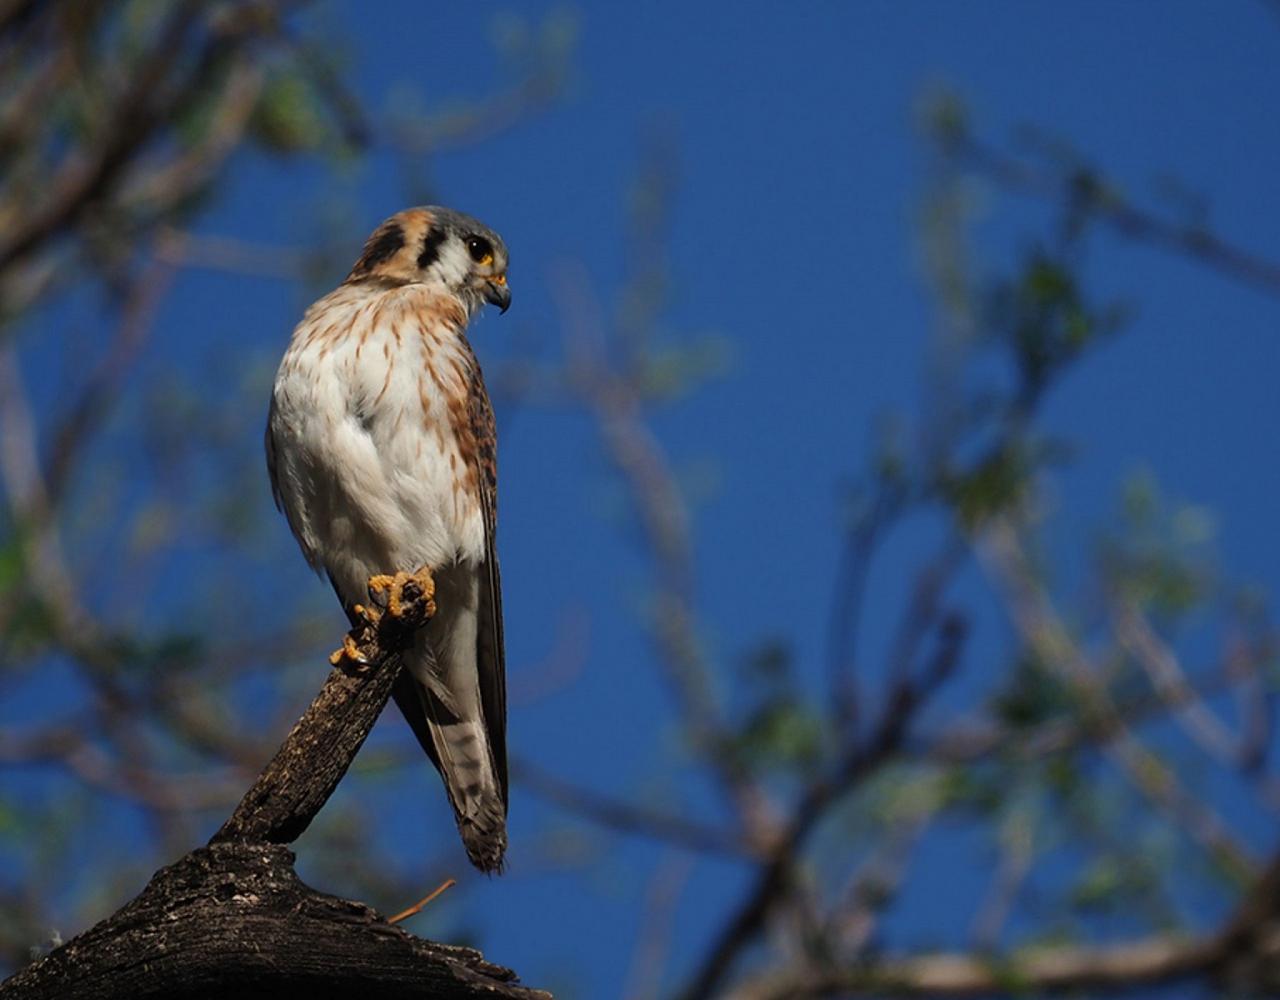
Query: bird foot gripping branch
399,604
404,592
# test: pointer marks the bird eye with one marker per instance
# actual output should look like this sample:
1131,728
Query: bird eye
481,250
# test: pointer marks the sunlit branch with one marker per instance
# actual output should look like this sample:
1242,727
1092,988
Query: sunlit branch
1042,630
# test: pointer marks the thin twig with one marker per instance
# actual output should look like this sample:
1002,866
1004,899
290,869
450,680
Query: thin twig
416,908
1084,191
626,817
1171,684
1042,630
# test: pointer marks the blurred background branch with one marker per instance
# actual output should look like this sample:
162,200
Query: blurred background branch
1033,696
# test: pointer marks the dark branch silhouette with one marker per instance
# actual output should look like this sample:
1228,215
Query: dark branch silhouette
233,919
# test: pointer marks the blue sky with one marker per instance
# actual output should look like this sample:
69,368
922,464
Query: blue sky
801,169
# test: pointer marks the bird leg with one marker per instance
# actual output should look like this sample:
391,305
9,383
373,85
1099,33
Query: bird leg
409,604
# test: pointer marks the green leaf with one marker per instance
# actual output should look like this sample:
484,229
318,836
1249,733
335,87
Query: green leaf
781,734
288,118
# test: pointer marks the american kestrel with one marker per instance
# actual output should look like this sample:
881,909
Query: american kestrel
382,454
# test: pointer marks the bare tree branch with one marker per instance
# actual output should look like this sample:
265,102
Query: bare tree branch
233,918
1171,684
773,878
1126,966
1043,631
628,818
1087,192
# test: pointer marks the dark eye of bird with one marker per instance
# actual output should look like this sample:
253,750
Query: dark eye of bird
479,248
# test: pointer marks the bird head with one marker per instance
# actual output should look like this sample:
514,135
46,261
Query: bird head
438,247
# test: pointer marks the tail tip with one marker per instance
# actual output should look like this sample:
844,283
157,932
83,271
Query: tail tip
486,849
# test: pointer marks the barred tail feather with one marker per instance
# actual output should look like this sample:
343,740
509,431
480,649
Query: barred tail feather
451,726
467,768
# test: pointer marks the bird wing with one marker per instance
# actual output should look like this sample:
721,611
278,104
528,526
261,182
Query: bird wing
292,503
270,443
491,661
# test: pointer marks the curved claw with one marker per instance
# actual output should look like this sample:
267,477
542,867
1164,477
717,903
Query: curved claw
349,652
369,615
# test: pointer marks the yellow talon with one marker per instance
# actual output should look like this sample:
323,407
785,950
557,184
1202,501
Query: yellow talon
395,599
349,651
380,583
393,586
426,583
370,616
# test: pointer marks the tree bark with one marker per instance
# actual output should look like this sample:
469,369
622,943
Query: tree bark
234,919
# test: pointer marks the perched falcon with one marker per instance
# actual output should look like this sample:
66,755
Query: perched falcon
381,449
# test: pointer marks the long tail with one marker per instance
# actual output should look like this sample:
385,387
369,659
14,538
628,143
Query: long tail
439,694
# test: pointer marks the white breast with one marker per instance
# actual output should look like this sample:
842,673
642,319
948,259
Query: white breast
368,466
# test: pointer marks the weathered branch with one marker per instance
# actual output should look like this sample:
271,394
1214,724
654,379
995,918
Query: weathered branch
314,757
233,919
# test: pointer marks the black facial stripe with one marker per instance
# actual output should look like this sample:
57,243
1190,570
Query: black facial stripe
431,247
382,245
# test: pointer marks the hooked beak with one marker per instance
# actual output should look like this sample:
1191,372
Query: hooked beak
497,292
